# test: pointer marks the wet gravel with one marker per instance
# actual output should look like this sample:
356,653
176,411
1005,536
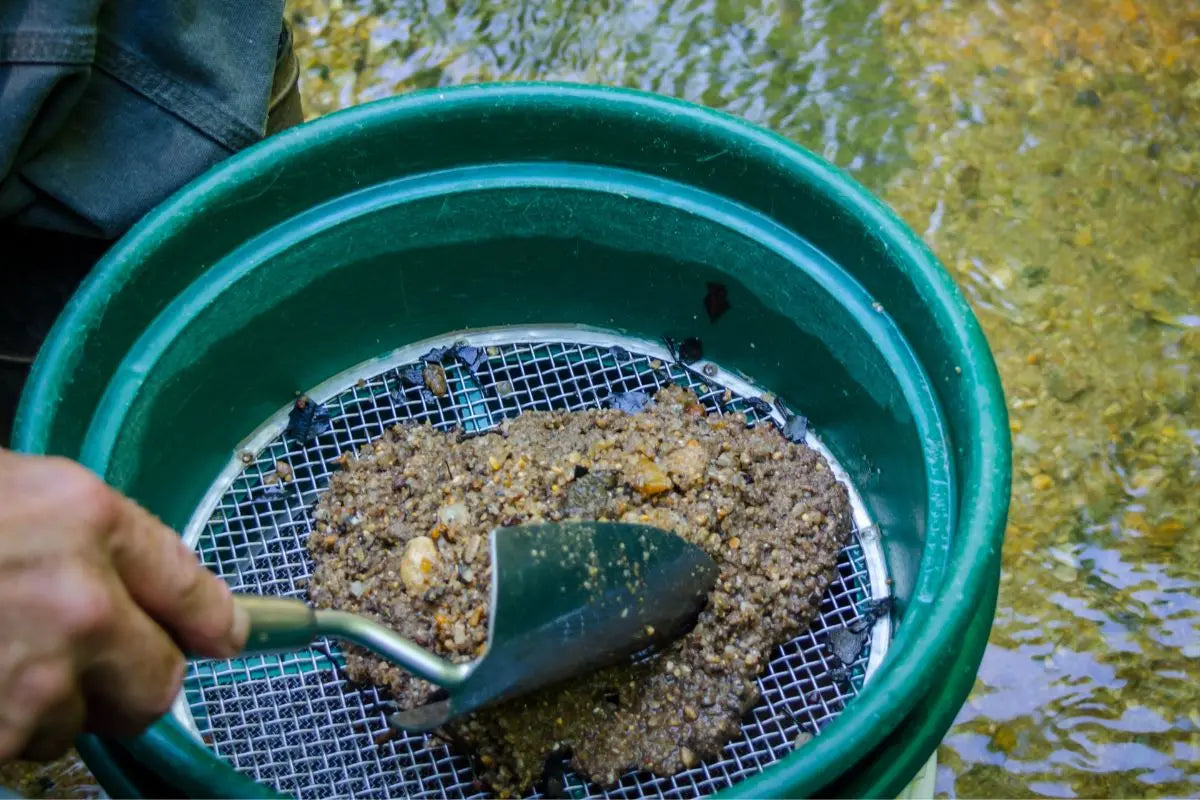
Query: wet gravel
401,536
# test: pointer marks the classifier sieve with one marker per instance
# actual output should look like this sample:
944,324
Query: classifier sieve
293,721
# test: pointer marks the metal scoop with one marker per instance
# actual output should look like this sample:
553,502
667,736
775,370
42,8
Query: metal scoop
567,598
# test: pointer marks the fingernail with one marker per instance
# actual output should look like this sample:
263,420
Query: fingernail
241,627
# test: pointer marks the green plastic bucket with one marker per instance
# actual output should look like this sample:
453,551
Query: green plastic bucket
487,207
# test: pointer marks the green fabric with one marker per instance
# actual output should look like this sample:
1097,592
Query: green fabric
111,105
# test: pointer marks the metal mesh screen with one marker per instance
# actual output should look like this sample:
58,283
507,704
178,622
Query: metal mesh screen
295,722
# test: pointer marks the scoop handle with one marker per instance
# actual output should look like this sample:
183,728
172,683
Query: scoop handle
282,624
277,624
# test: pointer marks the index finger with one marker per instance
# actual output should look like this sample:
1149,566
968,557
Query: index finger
165,578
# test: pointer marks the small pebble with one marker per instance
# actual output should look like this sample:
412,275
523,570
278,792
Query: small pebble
420,556
454,515
648,478
435,379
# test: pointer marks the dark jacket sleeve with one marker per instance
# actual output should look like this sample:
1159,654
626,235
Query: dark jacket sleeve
108,106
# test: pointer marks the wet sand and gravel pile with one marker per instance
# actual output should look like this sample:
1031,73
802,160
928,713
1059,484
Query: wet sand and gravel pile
401,536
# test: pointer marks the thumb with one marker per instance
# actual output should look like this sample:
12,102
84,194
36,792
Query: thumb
165,578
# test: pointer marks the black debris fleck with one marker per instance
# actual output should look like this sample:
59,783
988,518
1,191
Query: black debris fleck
758,405
629,402
685,352
475,434
879,608
407,376
845,644
796,428
580,471
438,355
691,350
470,357
413,375
716,301
307,420
872,610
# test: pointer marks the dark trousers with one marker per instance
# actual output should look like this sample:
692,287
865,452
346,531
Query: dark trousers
38,274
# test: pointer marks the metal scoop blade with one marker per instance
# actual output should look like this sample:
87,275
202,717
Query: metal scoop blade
567,598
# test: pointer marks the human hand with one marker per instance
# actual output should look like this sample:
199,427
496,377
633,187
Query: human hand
97,600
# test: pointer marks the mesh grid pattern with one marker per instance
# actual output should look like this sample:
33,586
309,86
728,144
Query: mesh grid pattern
295,722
